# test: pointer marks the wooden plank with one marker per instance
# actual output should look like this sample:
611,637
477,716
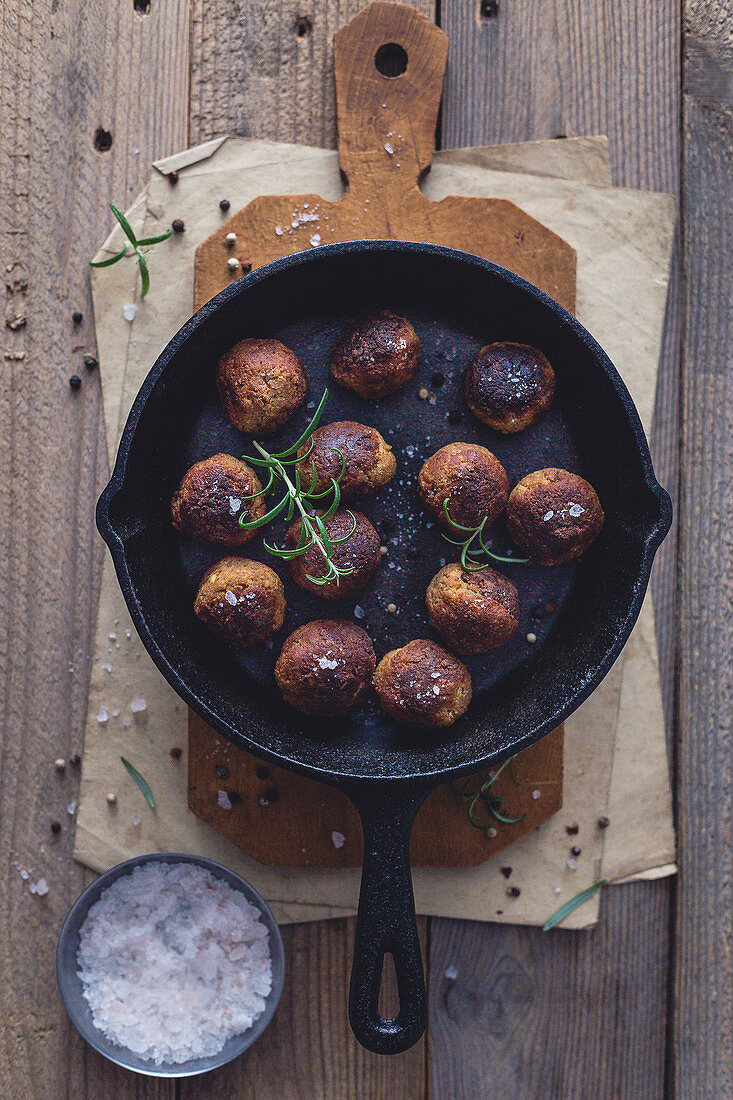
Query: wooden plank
552,1015
703,1013
308,1051
66,70
535,70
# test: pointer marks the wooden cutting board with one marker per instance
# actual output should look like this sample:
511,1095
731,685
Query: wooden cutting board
389,64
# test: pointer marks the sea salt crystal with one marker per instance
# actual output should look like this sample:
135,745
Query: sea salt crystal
103,714
224,800
315,239
575,510
138,705
234,505
572,864
536,794
325,663
173,962
451,973
230,597
40,888
107,668
279,230
547,516
129,310
71,809
135,819
338,839
358,612
389,147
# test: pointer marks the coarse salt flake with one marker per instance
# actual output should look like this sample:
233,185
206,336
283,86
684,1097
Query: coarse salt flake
173,962
224,800
129,310
234,505
325,663
571,864
138,705
315,239
575,510
103,713
338,839
230,597
71,809
451,973
548,516
536,794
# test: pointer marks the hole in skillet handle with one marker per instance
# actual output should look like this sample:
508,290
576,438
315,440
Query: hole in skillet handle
385,924
391,60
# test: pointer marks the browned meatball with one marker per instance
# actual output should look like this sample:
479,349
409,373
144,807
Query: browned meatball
376,355
369,460
553,516
423,684
261,383
360,552
325,667
474,612
472,481
509,386
207,504
241,601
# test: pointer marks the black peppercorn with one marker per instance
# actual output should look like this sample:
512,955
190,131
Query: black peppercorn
575,850
177,226
224,204
603,822
513,891
454,417
172,177
572,830
55,827
77,317
506,871
75,382
176,753
75,760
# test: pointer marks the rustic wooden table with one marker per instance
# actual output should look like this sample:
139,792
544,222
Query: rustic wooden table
92,92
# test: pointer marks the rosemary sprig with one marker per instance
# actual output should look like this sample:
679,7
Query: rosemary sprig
473,545
142,783
483,801
564,910
139,249
295,495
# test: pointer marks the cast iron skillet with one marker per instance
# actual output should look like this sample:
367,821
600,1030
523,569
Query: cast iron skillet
457,303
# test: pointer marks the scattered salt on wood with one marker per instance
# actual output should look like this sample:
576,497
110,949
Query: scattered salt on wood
173,962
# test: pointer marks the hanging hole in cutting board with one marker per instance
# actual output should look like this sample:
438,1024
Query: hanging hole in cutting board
389,998
391,60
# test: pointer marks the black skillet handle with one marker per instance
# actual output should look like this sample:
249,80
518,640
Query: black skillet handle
385,924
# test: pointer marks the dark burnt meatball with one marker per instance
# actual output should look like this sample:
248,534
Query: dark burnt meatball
509,386
423,684
325,667
376,355
261,383
241,601
360,553
369,460
207,504
473,612
471,480
553,516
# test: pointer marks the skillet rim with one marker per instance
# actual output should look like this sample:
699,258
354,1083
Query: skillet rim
652,540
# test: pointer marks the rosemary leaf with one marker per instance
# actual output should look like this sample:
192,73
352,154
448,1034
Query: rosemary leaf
156,240
142,263
142,784
126,227
110,259
573,904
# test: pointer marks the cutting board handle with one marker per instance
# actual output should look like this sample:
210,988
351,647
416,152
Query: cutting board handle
389,63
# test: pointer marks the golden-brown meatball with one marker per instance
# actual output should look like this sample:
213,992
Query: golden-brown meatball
473,612
241,601
369,460
423,684
207,504
509,386
376,355
360,553
472,481
325,667
553,516
261,383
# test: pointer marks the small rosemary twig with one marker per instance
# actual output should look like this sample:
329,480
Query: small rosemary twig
141,782
473,545
313,531
574,902
139,249
484,798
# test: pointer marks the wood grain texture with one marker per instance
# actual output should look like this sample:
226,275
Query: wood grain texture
264,69
308,1052
540,69
66,69
703,1025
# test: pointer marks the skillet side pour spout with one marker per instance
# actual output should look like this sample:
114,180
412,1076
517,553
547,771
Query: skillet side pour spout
385,923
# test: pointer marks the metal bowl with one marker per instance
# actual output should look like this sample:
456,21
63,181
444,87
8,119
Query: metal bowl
72,994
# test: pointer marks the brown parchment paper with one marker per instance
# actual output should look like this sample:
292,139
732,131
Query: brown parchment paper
615,760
